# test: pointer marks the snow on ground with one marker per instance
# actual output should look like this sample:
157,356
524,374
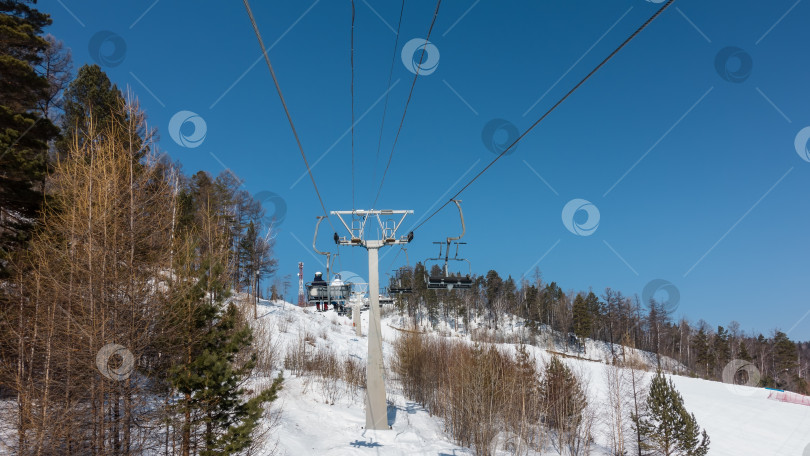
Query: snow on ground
739,420
310,426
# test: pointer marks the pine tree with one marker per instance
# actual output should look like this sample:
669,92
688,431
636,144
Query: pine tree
210,375
91,93
550,296
24,131
494,283
667,428
722,351
703,356
785,358
595,310
563,402
583,320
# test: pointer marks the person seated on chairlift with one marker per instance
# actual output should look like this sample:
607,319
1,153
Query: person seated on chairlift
319,282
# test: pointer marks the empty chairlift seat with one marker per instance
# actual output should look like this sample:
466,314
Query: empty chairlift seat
446,280
399,285
449,282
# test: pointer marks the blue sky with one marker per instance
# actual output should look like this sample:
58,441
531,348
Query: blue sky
695,174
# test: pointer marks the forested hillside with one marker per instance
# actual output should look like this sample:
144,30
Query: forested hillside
614,318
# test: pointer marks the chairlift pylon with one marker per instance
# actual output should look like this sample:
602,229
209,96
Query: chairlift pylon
445,280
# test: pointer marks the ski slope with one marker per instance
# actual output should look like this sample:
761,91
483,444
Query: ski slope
739,420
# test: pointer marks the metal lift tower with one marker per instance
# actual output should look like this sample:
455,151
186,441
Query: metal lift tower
301,299
376,409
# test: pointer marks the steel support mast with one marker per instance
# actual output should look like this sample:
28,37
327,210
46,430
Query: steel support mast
376,408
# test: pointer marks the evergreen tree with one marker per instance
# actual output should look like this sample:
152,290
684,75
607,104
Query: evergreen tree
91,92
494,283
551,295
595,310
784,359
509,294
533,307
209,377
564,402
583,320
24,131
722,351
703,356
562,396
668,429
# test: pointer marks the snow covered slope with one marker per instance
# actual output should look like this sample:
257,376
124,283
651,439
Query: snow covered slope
739,420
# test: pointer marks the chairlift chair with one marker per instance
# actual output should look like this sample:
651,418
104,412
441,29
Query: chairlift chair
398,287
384,297
445,280
321,292
318,292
